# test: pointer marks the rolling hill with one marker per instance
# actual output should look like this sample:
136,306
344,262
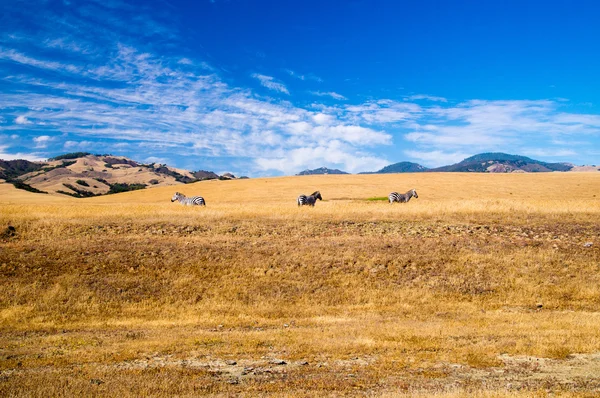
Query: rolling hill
82,174
497,162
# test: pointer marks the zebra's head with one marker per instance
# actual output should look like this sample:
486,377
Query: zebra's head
317,195
414,193
176,197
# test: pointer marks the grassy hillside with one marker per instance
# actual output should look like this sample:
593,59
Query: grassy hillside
485,285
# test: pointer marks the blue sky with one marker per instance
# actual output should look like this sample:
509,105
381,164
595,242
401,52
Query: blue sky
274,87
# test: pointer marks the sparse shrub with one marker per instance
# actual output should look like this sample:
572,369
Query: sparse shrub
153,181
83,183
124,187
21,185
103,181
79,193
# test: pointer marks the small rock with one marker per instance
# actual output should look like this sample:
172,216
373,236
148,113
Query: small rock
539,306
96,381
285,325
277,362
588,244
219,326
233,381
303,363
230,362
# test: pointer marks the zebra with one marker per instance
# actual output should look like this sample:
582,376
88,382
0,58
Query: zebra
402,197
309,200
191,201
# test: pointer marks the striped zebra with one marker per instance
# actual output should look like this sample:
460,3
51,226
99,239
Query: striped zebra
402,197
191,201
309,200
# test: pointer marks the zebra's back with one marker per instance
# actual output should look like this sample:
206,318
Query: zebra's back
394,197
194,201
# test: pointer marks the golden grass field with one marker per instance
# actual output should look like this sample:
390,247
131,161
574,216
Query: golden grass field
486,285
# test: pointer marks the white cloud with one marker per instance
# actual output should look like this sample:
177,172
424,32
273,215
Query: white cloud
437,158
42,141
549,152
270,83
334,154
15,56
22,120
32,157
323,119
419,97
157,160
331,94
383,112
70,145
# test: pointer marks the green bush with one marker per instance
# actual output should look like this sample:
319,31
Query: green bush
79,193
21,185
124,187
72,155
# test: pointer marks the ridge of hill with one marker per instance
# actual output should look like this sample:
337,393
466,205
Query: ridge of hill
400,167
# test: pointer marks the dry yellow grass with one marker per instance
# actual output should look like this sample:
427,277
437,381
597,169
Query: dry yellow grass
483,286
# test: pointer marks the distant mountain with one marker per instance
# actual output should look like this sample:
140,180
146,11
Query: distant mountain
400,167
321,170
502,163
82,174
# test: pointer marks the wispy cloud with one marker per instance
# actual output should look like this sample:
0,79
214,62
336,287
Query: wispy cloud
5,155
437,158
139,102
270,83
300,76
42,141
331,94
419,97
